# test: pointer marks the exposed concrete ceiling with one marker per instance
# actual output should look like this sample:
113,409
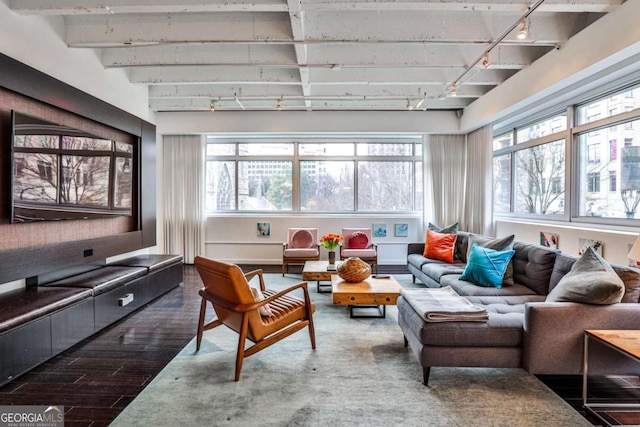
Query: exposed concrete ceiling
317,54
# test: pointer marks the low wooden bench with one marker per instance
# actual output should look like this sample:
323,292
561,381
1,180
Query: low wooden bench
39,322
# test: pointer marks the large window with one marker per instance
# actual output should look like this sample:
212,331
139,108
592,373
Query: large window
532,169
601,152
314,175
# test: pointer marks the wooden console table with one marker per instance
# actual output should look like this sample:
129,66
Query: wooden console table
626,342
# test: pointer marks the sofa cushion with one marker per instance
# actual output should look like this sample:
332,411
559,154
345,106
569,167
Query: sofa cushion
437,269
501,244
301,253
449,229
533,265
630,276
591,280
464,288
102,279
439,246
502,329
417,260
486,267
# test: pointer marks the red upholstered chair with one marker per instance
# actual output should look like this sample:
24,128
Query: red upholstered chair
358,243
263,322
301,245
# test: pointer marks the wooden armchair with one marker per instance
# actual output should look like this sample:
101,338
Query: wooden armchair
228,290
358,243
301,245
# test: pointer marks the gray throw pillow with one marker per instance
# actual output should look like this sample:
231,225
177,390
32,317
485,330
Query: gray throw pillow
449,229
591,280
502,244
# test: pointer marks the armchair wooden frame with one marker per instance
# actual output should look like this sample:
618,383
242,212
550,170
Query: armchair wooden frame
246,316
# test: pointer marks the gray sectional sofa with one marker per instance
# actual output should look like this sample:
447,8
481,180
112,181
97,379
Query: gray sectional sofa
523,331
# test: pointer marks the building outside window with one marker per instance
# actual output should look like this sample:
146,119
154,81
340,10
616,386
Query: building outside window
314,175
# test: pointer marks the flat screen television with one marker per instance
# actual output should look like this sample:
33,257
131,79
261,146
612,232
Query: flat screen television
63,173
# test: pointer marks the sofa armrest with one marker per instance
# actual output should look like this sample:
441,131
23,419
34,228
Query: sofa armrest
554,337
415,248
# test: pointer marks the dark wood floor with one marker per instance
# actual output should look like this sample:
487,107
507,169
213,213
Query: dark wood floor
99,377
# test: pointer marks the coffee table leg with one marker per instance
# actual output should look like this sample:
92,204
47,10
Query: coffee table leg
322,292
382,313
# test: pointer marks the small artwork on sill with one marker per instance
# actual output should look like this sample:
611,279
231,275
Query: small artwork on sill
402,229
549,240
379,230
583,244
264,229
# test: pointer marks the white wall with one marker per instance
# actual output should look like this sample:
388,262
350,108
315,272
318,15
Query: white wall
616,242
39,42
235,238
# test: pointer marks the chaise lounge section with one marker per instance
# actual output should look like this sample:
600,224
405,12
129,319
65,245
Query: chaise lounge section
523,330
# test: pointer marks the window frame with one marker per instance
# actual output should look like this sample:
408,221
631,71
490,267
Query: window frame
572,154
416,159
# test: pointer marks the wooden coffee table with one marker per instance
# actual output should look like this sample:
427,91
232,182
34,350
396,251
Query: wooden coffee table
317,270
370,293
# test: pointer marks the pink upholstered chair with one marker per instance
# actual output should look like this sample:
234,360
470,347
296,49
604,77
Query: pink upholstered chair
301,245
358,243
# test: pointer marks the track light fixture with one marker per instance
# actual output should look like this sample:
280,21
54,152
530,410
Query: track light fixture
409,106
453,91
278,104
523,32
212,105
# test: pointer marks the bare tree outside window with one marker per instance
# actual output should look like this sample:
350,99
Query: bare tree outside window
538,171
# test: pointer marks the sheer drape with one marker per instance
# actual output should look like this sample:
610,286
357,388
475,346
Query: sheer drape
478,207
184,195
459,180
445,158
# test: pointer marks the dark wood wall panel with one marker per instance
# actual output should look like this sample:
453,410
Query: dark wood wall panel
27,250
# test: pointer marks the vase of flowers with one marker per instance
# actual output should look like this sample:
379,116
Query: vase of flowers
331,242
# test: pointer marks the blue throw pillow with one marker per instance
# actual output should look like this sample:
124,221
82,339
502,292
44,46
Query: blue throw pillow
486,267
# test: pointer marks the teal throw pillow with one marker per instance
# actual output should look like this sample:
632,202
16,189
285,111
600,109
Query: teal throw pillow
486,267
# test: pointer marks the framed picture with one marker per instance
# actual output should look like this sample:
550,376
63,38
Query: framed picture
264,229
402,229
379,230
583,244
549,240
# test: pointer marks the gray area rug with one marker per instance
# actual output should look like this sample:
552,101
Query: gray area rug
359,375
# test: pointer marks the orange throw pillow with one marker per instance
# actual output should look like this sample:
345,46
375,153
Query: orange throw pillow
440,246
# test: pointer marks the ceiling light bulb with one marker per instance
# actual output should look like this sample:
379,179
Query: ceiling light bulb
485,61
522,33
212,106
409,106
453,90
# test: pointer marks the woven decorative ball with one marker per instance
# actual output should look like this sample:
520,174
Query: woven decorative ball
354,270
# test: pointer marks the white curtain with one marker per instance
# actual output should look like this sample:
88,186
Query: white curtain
445,171
459,180
184,195
478,206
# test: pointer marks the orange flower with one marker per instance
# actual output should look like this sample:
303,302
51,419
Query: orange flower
331,241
